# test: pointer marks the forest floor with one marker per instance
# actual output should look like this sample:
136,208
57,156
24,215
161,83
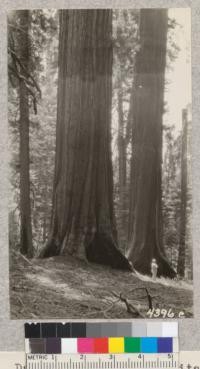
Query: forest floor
66,288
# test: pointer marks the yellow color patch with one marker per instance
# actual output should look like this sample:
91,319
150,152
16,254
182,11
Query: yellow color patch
116,345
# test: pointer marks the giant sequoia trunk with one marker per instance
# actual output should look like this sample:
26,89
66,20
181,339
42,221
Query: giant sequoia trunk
145,223
25,206
83,222
182,245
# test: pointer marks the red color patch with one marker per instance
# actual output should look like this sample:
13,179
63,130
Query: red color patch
101,345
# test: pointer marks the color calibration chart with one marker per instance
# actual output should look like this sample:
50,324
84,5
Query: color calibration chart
115,345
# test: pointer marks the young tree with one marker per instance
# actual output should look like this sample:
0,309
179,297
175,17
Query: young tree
19,68
29,33
83,221
171,201
145,220
184,179
25,206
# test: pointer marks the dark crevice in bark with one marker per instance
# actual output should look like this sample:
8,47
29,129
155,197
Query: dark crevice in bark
103,250
52,248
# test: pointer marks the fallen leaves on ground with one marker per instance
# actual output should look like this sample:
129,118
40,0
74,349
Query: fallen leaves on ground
64,288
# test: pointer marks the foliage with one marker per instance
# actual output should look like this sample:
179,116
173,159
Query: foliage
171,198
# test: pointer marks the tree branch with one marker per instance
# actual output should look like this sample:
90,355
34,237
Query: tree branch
149,297
34,83
130,307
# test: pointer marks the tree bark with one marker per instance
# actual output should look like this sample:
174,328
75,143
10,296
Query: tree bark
145,219
121,156
25,206
182,245
83,221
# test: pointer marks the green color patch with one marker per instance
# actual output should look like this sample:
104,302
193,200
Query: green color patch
132,344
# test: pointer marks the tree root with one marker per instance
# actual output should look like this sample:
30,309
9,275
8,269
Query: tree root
142,264
101,250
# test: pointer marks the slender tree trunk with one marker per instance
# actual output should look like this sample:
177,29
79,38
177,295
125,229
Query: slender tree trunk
83,221
145,241
25,206
182,245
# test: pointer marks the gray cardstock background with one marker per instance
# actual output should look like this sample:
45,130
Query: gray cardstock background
11,332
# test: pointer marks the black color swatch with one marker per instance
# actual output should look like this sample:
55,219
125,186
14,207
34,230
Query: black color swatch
48,329
78,329
32,330
63,330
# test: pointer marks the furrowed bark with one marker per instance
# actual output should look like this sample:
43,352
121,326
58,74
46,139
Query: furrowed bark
83,221
145,225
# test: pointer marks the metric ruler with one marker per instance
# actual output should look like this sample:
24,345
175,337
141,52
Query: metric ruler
102,361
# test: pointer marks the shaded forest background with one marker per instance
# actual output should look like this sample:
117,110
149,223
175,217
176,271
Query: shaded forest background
41,82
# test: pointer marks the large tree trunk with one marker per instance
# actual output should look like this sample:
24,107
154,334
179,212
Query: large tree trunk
182,245
25,206
83,222
145,221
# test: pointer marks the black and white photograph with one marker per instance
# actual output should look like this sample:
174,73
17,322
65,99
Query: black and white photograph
100,195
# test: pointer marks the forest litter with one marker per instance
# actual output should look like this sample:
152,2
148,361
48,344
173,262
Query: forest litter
176,282
67,288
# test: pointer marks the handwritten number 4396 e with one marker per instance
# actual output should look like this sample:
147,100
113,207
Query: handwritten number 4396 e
164,313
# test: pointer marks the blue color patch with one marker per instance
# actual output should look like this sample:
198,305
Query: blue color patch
149,345
165,345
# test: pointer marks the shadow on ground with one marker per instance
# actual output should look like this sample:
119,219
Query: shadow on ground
65,288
